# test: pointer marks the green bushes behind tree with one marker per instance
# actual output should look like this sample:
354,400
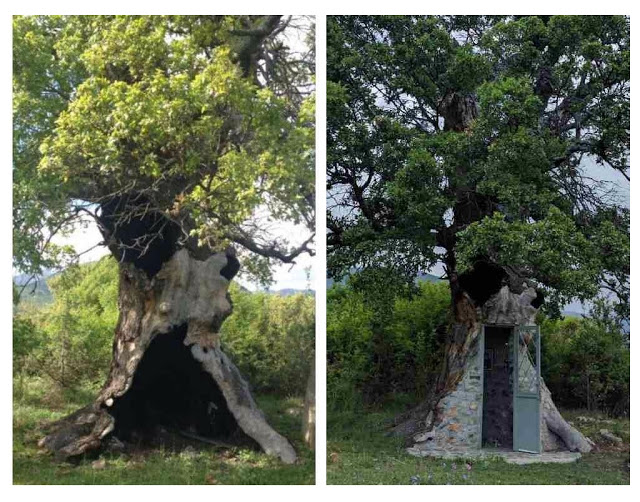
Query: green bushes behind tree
377,357
379,348
269,337
69,341
586,364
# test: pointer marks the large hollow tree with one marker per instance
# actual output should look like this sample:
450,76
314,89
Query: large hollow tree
481,144
186,139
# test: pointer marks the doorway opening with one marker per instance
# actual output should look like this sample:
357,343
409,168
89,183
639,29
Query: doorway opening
497,409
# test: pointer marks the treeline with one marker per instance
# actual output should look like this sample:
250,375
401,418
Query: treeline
269,337
381,347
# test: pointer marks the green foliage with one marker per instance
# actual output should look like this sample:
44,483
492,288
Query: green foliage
165,106
270,337
552,246
472,134
373,352
271,340
70,340
586,364
382,344
42,85
26,338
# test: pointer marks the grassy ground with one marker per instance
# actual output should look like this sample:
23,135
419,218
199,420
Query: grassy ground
359,453
36,403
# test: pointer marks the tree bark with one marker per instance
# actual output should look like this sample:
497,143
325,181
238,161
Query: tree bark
180,308
309,415
426,425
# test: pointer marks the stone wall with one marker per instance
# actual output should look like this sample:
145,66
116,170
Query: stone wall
461,410
457,424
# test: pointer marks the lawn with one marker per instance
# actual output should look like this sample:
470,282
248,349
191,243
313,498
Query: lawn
37,403
358,452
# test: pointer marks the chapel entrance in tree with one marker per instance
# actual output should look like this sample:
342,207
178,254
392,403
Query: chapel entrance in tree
511,388
497,409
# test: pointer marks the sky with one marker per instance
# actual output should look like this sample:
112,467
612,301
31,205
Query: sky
285,276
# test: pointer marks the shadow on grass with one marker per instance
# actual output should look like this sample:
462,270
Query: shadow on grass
38,404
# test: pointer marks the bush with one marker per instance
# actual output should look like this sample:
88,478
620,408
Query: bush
377,350
586,364
271,339
69,342
374,352
74,334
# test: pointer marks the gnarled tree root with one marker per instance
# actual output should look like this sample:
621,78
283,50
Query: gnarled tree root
555,425
86,429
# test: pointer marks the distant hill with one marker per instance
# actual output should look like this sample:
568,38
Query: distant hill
37,292
428,278
291,291
419,278
571,313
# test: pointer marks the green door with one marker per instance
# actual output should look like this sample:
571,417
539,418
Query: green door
526,392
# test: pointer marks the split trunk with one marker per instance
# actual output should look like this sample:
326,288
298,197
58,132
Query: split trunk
168,372
452,415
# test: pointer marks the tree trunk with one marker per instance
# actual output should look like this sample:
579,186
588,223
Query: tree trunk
488,294
309,415
450,417
168,370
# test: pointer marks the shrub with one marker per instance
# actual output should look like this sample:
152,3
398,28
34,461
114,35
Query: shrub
78,327
586,364
271,339
374,352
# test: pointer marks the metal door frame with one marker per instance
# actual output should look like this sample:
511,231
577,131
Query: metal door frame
517,394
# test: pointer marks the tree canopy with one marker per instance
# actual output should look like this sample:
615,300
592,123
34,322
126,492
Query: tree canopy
455,139
206,121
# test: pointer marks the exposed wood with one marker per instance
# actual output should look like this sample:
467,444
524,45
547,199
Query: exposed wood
570,437
185,292
309,415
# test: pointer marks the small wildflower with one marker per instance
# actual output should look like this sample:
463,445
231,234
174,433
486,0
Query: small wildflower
468,466
464,476
454,467
414,480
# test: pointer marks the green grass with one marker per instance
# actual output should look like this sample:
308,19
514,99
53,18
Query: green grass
38,403
359,453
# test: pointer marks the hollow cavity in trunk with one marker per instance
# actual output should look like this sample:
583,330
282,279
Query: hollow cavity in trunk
171,391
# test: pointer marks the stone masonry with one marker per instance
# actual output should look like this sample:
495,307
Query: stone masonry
461,410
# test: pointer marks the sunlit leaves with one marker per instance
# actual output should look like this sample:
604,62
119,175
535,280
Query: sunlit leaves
160,105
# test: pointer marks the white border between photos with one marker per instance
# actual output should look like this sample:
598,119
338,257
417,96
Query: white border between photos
320,9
